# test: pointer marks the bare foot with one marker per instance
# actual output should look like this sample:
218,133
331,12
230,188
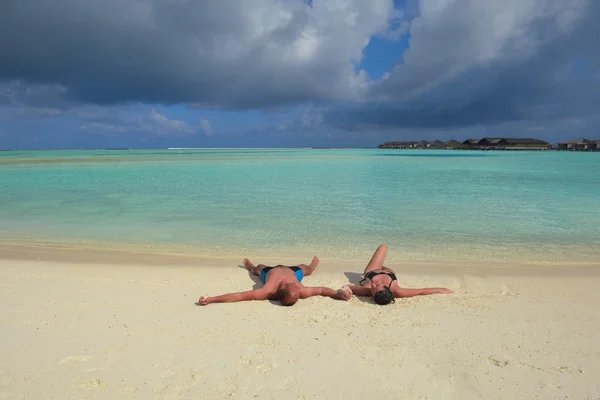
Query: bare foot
309,269
248,264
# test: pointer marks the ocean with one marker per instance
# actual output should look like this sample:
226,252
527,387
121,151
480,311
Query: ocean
339,203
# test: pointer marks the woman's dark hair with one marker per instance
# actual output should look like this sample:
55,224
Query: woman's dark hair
384,296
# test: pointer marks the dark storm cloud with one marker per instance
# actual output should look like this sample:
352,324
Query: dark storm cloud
226,53
471,63
460,73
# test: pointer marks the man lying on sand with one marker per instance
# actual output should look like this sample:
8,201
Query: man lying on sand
280,283
382,284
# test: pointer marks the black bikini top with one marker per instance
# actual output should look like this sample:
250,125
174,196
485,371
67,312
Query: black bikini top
373,274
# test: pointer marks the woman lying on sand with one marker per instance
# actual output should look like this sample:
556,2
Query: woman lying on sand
280,283
381,282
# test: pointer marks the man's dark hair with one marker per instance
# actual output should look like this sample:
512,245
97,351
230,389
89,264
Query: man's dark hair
288,298
384,296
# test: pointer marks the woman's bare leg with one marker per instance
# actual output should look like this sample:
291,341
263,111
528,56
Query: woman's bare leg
377,259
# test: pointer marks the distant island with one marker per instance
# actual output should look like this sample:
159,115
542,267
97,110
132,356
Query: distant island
502,143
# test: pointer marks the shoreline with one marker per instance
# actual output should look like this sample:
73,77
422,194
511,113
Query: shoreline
161,254
88,256
543,254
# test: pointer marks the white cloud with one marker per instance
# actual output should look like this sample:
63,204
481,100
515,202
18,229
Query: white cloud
129,121
453,37
163,125
205,127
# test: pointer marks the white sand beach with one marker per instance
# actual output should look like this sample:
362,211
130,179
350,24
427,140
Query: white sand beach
84,325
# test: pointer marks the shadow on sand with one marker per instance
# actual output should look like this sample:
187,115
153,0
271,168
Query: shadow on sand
354,278
258,284
256,279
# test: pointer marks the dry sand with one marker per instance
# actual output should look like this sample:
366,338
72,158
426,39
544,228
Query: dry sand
107,330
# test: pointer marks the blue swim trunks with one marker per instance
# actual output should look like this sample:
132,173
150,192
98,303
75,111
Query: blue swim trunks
297,270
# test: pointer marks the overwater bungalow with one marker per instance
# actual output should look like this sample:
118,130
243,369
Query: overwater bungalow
476,142
397,145
473,144
450,144
579,145
508,144
436,144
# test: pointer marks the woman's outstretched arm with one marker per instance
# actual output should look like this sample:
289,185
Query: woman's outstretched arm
401,292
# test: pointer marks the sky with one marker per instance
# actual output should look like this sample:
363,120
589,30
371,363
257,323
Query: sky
295,73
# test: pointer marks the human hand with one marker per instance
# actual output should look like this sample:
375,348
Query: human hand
345,293
202,301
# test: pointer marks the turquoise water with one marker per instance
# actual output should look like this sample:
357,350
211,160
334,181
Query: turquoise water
426,205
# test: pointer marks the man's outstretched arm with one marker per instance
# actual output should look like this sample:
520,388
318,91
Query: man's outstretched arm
258,294
420,292
341,294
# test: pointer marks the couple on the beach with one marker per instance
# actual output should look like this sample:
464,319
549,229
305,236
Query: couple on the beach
284,283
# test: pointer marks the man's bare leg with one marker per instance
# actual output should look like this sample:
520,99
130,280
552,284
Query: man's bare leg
255,269
306,269
309,269
377,259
